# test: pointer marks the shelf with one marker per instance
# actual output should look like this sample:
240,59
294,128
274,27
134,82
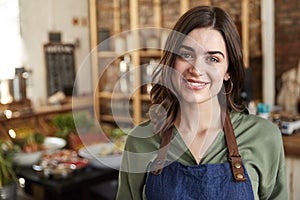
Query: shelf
145,97
110,118
150,53
109,95
143,53
108,54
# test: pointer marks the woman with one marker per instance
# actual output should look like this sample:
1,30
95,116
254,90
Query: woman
200,142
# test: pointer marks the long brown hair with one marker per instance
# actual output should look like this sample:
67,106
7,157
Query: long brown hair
197,17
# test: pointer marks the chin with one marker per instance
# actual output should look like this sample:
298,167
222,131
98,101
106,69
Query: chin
193,100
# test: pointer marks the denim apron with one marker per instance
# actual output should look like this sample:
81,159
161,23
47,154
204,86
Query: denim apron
175,181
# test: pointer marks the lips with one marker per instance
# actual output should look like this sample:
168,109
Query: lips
195,84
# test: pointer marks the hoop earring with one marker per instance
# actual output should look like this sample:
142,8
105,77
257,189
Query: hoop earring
231,88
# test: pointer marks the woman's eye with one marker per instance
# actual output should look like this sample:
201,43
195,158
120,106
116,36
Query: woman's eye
213,59
186,55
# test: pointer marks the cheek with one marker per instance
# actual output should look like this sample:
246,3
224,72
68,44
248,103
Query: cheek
180,66
175,75
179,69
175,80
216,77
216,74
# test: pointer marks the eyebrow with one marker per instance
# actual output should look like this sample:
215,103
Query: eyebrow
216,52
187,47
209,52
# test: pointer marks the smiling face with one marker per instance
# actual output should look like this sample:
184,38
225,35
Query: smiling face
201,65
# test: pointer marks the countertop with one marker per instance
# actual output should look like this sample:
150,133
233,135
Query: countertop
78,103
291,144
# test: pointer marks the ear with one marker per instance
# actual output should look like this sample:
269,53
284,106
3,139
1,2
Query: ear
226,76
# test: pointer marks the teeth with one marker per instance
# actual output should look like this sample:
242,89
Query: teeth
196,84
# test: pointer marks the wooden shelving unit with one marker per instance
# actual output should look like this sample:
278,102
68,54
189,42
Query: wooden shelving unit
139,57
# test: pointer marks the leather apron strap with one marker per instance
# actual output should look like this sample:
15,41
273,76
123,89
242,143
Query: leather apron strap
234,157
160,160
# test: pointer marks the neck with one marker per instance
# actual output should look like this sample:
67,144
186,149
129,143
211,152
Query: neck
199,118
199,125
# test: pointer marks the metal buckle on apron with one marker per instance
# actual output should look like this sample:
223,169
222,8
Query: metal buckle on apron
157,166
237,168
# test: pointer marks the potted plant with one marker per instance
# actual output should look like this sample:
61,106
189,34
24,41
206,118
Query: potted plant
8,177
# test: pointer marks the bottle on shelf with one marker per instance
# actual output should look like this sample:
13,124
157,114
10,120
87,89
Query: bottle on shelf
148,75
263,110
126,82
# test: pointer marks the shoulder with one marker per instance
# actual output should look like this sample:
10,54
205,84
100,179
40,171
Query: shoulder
142,139
257,138
252,130
254,125
260,145
140,148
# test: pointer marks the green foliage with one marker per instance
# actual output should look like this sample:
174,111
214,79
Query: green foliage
117,133
7,173
65,124
83,121
36,137
68,123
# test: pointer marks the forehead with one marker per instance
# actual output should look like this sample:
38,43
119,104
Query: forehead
205,38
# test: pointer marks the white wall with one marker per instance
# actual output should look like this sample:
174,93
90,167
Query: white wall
37,18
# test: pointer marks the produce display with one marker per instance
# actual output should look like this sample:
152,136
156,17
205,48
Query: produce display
60,164
27,140
33,143
29,145
47,156
116,148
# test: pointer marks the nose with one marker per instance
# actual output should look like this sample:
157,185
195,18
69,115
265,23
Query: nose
198,67
194,70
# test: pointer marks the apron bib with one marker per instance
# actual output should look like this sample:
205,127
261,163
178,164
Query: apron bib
175,181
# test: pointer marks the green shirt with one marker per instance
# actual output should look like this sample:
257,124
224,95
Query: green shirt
259,142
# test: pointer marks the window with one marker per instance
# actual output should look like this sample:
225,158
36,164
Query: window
11,48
